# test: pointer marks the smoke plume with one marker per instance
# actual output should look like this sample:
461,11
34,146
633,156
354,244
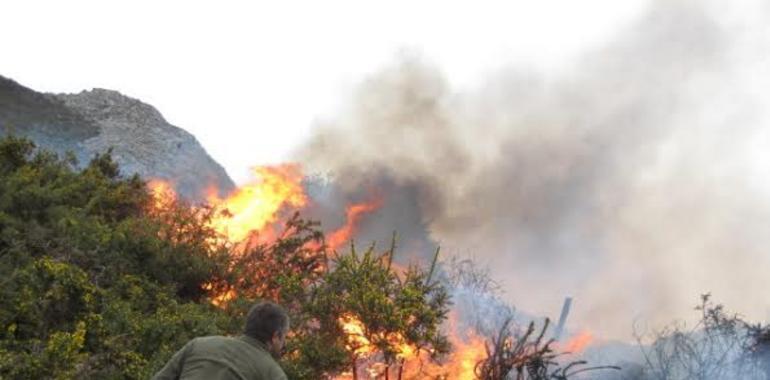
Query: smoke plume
634,179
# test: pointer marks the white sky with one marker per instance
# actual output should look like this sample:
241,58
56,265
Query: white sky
248,78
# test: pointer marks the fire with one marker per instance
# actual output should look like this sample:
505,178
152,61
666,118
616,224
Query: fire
356,337
358,343
353,214
219,299
256,206
468,349
250,213
579,342
162,193
462,364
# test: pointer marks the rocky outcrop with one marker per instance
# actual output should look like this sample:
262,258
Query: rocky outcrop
91,122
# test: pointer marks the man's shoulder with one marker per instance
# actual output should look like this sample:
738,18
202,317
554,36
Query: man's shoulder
241,352
228,345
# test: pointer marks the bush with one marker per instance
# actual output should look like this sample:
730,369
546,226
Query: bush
90,288
720,346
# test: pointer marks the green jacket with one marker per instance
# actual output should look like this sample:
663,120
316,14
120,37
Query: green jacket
222,358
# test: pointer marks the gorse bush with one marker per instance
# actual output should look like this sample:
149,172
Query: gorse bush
89,287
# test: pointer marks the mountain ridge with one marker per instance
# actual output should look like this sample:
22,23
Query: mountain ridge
94,121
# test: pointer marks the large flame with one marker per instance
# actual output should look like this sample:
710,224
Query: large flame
255,206
251,213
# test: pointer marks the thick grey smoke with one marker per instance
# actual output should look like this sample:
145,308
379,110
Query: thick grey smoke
634,180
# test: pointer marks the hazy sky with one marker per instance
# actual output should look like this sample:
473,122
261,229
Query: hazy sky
248,78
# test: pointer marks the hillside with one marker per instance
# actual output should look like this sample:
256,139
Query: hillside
94,121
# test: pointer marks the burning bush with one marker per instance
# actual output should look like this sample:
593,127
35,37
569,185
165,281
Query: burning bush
381,316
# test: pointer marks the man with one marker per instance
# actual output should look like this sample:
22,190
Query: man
248,357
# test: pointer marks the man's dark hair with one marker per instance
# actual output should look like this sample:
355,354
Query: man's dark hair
264,320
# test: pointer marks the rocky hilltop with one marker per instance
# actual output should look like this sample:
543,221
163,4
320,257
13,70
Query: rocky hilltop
91,122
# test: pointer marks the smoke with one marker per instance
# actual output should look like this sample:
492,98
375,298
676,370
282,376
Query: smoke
634,179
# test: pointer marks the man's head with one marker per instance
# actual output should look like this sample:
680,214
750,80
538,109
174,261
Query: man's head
268,323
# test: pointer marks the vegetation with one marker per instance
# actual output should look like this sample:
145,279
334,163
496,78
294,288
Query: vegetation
720,346
100,282
90,288
527,355
400,315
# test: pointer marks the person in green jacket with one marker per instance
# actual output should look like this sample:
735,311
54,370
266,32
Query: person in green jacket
247,357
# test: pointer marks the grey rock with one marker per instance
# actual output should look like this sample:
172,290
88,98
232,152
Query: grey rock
92,122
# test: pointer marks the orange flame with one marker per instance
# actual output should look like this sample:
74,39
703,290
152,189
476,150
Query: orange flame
468,348
250,210
461,363
353,214
255,206
249,214
358,343
162,193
